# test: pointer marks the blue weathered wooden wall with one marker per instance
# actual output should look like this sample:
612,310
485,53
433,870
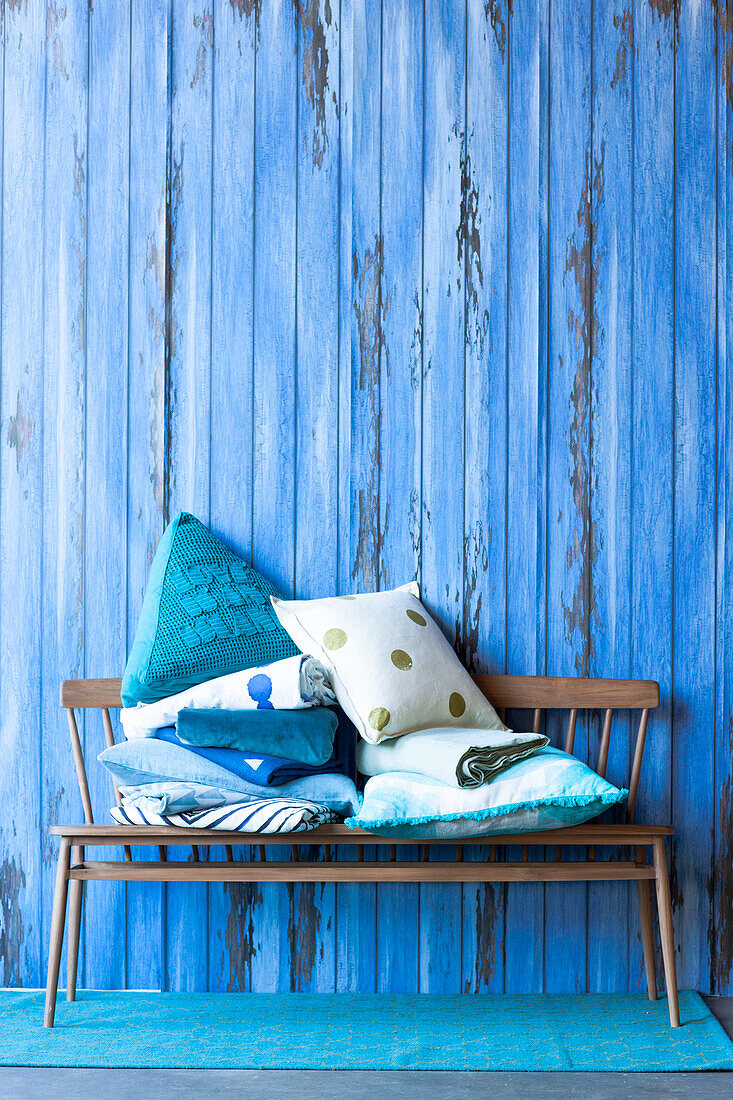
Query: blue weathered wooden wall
436,289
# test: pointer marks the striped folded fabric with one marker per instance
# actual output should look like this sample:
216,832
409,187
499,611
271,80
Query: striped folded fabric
262,815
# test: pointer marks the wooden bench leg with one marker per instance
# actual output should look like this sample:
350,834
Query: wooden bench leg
664,906
76,891
58,919
647,936
644,890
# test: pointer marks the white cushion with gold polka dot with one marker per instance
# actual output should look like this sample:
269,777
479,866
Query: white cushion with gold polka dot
392,670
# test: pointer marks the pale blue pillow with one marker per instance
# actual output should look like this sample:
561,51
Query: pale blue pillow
550,790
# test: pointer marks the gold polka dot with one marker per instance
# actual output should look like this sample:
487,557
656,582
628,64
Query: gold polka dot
334,638
401,660
378,718
456,704
416,617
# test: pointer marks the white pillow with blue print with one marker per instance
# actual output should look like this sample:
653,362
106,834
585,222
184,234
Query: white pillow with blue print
291,684
550,790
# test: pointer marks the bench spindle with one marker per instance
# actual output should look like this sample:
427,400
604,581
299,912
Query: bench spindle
109,737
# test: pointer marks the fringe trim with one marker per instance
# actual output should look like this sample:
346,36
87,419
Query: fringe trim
608,798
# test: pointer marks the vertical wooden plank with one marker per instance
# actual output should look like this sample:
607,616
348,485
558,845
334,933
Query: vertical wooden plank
574,180
346,185
146,466
233,265
357,904
273,539
482,255
443,409
400,397
693,716
317,312
105,562
317,293
189,373
367,335
355,913
722,946
610,452
64,253
526,381
21,492
652,433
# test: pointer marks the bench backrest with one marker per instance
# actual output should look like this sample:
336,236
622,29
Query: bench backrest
534,693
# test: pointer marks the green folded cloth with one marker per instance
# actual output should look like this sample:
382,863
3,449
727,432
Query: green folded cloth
303,735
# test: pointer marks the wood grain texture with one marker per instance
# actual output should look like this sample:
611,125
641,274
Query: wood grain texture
652,430
189,411
443,406
21,492
575,179
316,412
147,367
722,942
356,916
693,713
482,241
400,391
233,268
590,833
610,454
527,57
379,290
107,357
64,250
275,381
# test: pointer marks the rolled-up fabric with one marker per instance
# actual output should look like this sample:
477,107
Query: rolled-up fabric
305,735
273,815
292,684
459,757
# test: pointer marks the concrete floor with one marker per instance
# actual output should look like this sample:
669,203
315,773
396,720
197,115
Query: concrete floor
180,1084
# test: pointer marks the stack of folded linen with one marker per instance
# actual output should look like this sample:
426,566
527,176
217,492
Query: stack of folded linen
239,745
275,767
440,764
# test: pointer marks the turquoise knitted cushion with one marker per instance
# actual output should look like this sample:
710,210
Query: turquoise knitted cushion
205,613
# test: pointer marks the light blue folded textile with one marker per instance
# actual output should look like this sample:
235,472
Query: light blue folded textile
549,790
176,798
149,760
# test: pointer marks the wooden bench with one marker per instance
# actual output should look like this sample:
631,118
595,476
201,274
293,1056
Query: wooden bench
532,693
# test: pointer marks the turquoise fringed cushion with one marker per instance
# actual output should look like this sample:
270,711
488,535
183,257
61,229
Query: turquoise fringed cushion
550,790
206,613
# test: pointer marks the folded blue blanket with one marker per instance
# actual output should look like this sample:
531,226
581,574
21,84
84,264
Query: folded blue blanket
149,762
303,735
259,768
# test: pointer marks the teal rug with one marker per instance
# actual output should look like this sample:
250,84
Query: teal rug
372,1031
